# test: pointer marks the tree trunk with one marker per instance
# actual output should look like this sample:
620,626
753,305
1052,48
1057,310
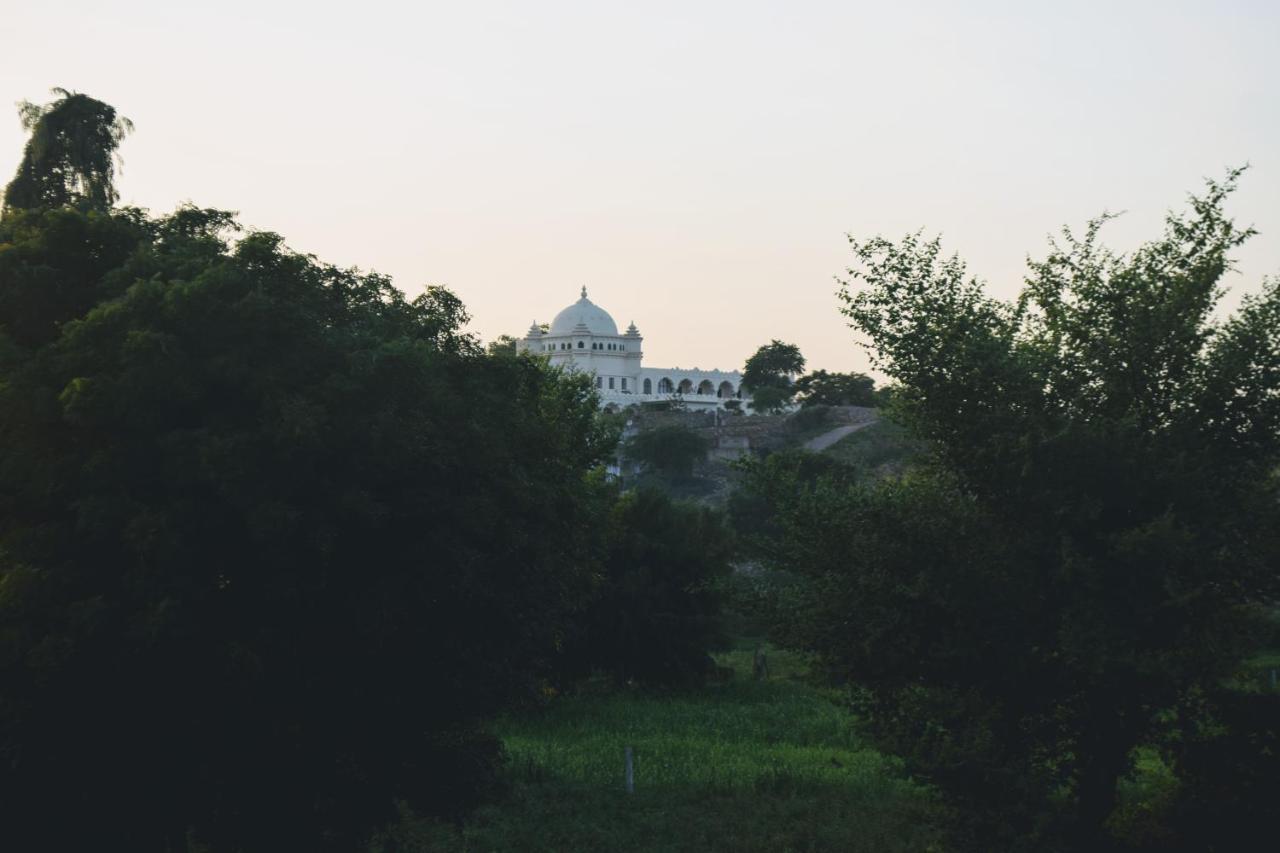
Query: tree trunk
1096,790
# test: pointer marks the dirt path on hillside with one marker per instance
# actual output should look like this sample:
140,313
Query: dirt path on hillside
827,439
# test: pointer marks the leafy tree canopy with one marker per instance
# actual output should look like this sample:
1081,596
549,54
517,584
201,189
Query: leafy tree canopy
672,450
657,610
821,388
502,345
1099,516
273,538
70,157
774,365
768,375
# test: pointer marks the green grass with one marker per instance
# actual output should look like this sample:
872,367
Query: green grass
882,448
740,766
1268,659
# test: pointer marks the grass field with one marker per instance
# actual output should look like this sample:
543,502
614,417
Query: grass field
742,766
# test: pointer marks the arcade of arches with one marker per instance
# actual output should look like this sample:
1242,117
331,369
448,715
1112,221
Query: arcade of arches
584,337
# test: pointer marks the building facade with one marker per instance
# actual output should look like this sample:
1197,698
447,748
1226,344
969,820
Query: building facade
584,338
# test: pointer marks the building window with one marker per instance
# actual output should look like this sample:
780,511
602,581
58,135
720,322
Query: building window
648,386
624,383
581,345
598,382
610,383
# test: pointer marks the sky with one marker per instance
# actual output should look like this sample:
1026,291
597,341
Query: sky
696,165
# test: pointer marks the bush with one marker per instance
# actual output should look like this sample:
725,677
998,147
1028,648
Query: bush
657,611
809,417
1229,767
671,450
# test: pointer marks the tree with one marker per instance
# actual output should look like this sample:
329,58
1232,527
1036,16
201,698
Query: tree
264,569
70,158
672,450
657,610
502,345
768,375
1079,559
821,388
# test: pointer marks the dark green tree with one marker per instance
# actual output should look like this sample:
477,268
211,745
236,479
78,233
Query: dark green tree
502,345
1079,559
70,157
273,539
671,450
821,388
769,375
657,610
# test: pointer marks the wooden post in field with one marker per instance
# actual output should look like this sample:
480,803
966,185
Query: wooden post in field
760,666
631,778
1273,679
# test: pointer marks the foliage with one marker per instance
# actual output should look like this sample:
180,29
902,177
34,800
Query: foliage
1229,761
881,448
885,396
768,375
502,345
771,399
747,767
775,363
70,158
671,449
821,388
809,418
262,569
1101,501
657,610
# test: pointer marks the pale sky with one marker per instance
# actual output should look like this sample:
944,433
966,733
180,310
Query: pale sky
695,165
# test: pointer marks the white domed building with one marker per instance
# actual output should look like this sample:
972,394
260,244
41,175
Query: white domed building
583,337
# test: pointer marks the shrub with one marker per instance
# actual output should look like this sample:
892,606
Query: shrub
1229,767
809,417
671,450
657,611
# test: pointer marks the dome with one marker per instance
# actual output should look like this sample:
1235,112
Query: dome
586,313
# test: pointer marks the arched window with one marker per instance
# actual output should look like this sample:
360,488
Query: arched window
686,386
581,345
725,390
599,382
666,386
648,386
705,387
610,383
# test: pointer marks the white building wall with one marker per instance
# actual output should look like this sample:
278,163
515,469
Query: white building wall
615,361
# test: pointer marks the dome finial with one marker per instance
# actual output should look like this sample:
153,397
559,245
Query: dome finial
584,291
